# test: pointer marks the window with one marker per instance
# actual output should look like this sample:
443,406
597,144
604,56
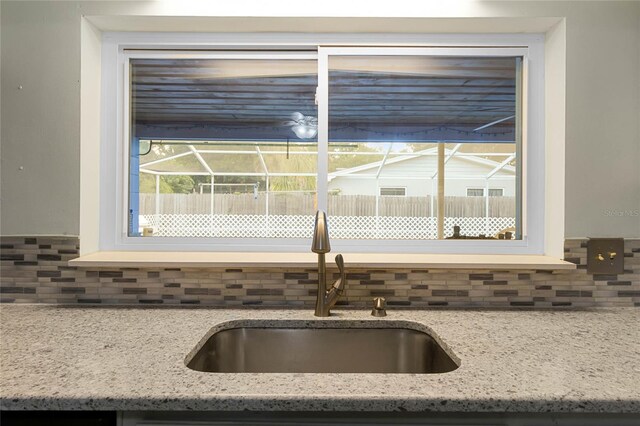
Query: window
227,146
393,191
240,147
223,145
434,122
479,192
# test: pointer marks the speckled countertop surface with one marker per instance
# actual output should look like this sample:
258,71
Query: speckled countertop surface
85,358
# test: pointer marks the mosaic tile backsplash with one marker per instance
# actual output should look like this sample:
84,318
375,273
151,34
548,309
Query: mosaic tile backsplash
35,270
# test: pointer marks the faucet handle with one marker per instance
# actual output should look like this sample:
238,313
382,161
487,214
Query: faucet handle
379,307
340,263
342,280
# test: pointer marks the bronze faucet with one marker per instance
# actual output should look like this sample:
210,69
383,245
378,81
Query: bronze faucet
326,298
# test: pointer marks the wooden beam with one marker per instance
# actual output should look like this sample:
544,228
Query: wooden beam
310,95
374,131
335,89
340,80
213,72
269,104
152,97
284,114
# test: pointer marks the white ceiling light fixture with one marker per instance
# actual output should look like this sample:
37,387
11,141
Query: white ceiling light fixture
304,126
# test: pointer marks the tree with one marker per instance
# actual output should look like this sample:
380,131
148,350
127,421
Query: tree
179,184
168,184
346,159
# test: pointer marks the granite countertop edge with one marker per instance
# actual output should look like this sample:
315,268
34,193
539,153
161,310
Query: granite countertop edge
338,404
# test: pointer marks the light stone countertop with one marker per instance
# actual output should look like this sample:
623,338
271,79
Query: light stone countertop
116,358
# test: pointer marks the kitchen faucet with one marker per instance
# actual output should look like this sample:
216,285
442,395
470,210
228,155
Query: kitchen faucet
326,298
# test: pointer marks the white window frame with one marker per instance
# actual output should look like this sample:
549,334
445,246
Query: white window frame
475,189
114,133
392,187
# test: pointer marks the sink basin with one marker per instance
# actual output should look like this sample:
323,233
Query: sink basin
321,347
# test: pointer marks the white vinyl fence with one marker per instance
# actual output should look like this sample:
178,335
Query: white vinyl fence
288,204
300,226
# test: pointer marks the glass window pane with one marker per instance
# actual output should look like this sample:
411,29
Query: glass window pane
482,169
222,147
388,115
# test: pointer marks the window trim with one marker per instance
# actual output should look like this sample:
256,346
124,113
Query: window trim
112,182
125,57
404,188
474,188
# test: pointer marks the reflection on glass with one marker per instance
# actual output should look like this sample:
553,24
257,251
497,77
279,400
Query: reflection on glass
222,148
387,117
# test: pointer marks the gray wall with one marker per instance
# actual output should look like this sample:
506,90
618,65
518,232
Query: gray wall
40,48
40,124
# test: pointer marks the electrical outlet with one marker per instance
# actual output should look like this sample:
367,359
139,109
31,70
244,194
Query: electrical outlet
605,256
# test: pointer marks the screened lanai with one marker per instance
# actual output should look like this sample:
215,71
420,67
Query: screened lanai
415,146
245,198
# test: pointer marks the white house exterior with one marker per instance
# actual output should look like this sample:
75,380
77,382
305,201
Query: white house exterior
417,174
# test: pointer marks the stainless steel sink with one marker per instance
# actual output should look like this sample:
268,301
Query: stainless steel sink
308,349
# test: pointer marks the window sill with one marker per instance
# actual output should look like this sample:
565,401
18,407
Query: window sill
153,259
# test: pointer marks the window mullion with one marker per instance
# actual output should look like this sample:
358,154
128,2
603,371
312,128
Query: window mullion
322,97
519,151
